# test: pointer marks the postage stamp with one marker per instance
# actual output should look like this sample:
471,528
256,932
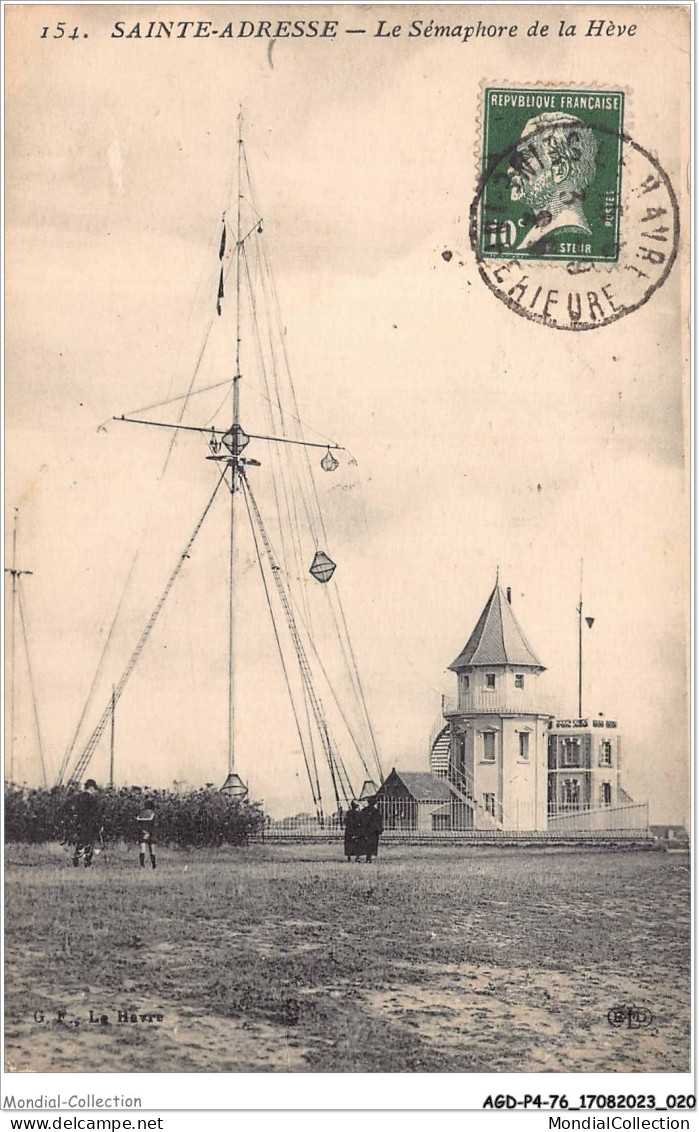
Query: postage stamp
574,224
552,163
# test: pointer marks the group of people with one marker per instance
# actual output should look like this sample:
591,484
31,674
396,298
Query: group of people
89,827
363,827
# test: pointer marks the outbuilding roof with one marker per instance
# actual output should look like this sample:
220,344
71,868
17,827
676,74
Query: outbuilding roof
422,786
496,639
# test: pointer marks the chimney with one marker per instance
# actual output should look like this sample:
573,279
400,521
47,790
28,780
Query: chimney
509,595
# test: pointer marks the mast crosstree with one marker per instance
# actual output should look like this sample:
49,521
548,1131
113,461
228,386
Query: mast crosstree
295,498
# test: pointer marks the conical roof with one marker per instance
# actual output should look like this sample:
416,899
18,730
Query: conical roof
496,639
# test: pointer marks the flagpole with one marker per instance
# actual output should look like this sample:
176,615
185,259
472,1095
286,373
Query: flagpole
111,741
12,650
234,467
580,611
15,574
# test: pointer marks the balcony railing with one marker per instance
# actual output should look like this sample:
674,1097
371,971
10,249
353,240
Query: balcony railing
510,702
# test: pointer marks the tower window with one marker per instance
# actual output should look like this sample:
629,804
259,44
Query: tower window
490,679
465,683
605,753
606,794
519,681
489,804
489,746
524,744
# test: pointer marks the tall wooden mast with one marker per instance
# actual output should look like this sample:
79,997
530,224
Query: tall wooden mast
15,574
233,465
228,446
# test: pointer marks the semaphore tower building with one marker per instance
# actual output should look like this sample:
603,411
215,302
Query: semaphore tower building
501,760
497,728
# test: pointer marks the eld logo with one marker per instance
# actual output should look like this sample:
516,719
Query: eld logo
633,1017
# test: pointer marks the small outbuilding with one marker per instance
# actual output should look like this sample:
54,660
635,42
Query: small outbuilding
415,800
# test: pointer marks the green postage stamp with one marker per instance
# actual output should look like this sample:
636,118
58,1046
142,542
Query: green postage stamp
551,174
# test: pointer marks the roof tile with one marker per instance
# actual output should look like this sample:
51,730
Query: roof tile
425,787
496,639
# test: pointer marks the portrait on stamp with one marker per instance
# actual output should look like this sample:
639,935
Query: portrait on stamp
551,167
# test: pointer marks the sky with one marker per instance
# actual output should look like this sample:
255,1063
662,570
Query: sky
479,441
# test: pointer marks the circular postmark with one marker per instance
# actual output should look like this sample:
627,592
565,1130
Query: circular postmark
574,225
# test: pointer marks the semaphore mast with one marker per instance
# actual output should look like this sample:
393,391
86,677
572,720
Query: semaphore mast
226,446
231,784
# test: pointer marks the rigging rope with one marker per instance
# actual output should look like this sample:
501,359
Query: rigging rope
288,495
314,520
355,668
315,785
304,666
88,702
179,397
345,640
89,749
292,516
326,439
210,420
189,393
31,680
333,693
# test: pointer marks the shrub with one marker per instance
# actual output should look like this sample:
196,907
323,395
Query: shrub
196,818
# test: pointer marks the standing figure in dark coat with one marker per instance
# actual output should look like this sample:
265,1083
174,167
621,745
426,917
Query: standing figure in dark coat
146,833
354,838
88,822
372,824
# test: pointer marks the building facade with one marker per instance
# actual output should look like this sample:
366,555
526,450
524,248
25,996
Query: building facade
511,763
584,767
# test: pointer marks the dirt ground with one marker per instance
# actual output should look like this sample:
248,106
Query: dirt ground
287,959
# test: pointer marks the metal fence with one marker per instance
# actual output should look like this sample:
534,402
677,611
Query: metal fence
440,820
632,816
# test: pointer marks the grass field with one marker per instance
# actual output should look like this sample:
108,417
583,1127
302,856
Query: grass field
284,958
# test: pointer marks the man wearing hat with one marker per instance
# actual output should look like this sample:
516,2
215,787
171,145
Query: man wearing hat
354,841
88,821
372,824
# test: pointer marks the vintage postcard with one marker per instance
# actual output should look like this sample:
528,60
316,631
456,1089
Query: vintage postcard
347,560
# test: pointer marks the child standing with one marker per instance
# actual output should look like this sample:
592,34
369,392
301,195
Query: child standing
146,828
